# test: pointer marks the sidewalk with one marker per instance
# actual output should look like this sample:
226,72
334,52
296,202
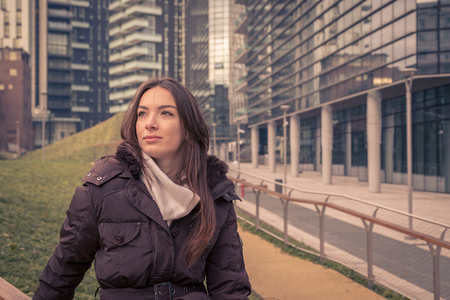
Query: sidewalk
432,206
276,275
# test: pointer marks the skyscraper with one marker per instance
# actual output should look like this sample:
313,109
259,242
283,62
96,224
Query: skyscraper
145,42
71,60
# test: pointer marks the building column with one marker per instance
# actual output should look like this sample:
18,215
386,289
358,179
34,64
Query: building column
348,148
317,141
255,146
295,144
271,141
327,143
389,149
374,140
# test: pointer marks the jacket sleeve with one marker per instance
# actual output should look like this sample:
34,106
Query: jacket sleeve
225,270
75,252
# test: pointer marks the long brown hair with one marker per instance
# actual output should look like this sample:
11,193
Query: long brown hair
193,165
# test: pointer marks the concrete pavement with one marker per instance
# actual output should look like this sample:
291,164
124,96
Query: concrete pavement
432,206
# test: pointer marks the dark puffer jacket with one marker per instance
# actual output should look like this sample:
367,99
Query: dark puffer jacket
113,219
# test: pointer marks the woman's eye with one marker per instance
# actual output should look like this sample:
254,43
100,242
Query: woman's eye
141,113
167,113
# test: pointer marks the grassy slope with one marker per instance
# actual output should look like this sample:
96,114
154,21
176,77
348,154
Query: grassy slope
34,197
78,147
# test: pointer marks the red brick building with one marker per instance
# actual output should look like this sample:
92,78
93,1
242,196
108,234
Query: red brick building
15,101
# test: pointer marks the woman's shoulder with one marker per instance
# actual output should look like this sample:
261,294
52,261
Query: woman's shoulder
103,170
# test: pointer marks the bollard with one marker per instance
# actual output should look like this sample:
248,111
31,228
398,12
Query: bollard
279,188
242,190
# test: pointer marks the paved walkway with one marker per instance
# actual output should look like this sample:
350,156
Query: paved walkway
276,275
432,206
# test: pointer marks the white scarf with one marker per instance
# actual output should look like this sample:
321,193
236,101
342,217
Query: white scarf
174,201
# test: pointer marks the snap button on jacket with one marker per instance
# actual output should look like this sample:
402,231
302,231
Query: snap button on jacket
113,219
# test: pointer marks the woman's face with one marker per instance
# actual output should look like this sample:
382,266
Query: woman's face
158,126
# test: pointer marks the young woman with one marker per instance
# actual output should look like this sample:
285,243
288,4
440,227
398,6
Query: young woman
157,216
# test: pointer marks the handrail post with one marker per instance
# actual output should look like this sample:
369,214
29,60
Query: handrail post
321,213
257,209
286,202
369,231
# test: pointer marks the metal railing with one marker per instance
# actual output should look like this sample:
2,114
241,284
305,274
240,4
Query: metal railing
373,240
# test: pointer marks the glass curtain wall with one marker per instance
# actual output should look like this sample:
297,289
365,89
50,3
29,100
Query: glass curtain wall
431,136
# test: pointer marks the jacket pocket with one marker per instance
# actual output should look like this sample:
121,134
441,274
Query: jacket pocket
115,235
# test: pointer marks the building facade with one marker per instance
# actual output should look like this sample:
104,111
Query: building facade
338,66
16,133
70,55
146,41
16,130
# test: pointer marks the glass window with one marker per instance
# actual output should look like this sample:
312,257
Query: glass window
399,8
386,14
386,34
444,17
427,63
426,18
427,41
445,62
411,21
444,42
399,49
399,28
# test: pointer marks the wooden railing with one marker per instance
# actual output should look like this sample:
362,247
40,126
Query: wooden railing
9,292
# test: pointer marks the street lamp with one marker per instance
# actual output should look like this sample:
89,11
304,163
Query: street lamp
214,138
285,124
408,73
18,138
44,114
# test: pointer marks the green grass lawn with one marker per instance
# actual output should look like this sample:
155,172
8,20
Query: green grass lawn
34,197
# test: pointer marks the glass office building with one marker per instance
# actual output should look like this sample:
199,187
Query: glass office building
338,66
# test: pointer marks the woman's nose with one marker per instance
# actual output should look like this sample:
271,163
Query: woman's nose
151,123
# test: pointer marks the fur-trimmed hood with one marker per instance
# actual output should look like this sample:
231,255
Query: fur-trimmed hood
127,155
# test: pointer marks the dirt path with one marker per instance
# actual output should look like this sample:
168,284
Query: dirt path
276,275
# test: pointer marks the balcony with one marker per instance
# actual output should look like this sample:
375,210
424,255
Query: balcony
135,11
59,26
117,5
116,31
134,25
80,3
241,55
80,88
60,1
122,95
134,66
80,24
135,38
241,84
82,67
128,80
128,54
241,24
77,45
121,4
59,13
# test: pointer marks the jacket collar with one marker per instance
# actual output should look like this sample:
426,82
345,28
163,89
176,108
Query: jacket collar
218,183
